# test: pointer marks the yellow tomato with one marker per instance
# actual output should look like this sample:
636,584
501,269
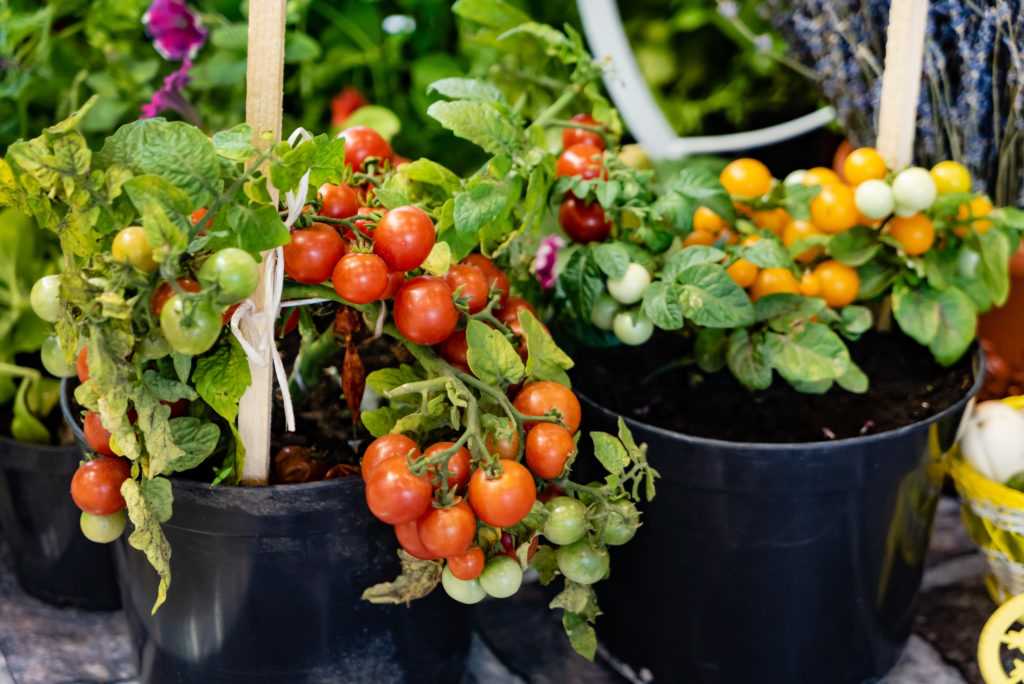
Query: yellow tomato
743,272
839,283
801,230
707,220
699,237
950,177
774,220
822,176
915,233
809,284
131,246
864,163
746,178
774,281
834,209
978,207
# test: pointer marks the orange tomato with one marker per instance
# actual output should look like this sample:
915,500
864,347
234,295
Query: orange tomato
977,207
743,272
840,155
810,285
774,281
915,233
707,220
864,163
774,220
839,283
746,178
801,230
819,175
699,237
834,209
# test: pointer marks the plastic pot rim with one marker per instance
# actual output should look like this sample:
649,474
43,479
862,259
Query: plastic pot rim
774,447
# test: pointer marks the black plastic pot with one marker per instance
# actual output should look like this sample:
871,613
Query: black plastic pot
266,586
52,560
775,563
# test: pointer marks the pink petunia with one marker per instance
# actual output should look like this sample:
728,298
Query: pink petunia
176,29
545,260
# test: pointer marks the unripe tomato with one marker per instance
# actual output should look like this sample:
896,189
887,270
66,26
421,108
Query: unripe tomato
424,312
632,327
361,143
504,500
707,220
103,529
360,278
507,447
583,563
502,577
454,350
409,539
567,520
863,164
131,246
386,447
469,283
839,283
746,178
233,272
312,254
164,291
448,531
916,233
403,238
621,522
548,448
583,160
463,591
338,201
96,485
575,136
743,272
539,398
190,334
874,199
950,177
795,177
604,311
96,436
630,287
774,281
394,495
45,298
54,360
913,190
469,565
834,209
801,230
458,463
819,175
635,157
583,221
496,278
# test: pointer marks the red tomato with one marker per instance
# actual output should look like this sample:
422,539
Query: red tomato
384,448
395,495
361,143
583,221
178,408
583,160
344,103
538,398
409,538
312,254
575,136
403,238
496,278
469,283
548,447
505,448
82,364
287,322
448,531
96,485
225,318
458,463
424,312
338,201
453,350
395,280
164,292
469,565
506,499
509,315
360,278
97,436
198,215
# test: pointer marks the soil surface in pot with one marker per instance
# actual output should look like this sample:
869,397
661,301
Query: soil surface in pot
906,386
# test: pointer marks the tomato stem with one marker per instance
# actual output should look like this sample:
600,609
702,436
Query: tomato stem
600,130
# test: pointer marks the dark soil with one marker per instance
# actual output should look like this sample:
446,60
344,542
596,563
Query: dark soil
906,386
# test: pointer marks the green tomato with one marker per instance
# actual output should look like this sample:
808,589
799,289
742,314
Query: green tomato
567,520
583,563
45,298
604,311
54,361
501,577
635,157
621,522
131,246
630,288
913,190
632,327
463,591
103,529
233,272
874,199
190,327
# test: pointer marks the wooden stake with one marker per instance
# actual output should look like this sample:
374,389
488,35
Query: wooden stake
901,81
263,102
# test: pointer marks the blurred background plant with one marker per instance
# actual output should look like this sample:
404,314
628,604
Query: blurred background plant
972,96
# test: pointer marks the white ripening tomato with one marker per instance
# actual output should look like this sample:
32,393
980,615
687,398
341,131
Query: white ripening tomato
993,440
913,190
874,199
630,288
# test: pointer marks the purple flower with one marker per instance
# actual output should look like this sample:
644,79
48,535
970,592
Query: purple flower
175,28
170,96
545,260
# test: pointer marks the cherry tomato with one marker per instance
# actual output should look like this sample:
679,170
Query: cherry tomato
976,209
567,520
198,215
582,562
798,230
229,313
834,209
103,529
746,178
312,254
409,538
394,495
384,448
707,220
840,155
583,221
913,190
233,272
395,281
507,447
194,333
344,103
743,272
950,177
468,282
839,283
583,160
603,313
631,286
448,531
502,577
53,358
164,292
863,164
548,447
576,136
45,298
458,463
874,199
131,246
699,237
496,278
621,522
509,315
463,591
424,312
403,238
82,364
361,143
774,281
539,398
506,499
338,201
453,350
819,175
468,565
810,286
96,485
774,220
915,233
96,436
360,278
632,327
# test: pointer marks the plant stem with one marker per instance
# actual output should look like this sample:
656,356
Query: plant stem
557,106
19,371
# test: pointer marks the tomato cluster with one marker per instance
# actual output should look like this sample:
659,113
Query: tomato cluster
96,486
582,156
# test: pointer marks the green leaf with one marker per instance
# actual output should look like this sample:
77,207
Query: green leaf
710,349
612,258
712,299
853,380
147,535
386,379
379,421
491,357
466,89
610,452
222,376
197,438
958,323
439,260
480,204
691,188
582,283
299,47
165,211
495,14
545,360
767,253
234,144
875,279
576,598
784,309
480,123
545,562
854,247
810,354
746,360
995,264
431,173
26,427
855,320
380,119
255,229
797,200
687,257
662,305
159,497
581,635
166,389
917,312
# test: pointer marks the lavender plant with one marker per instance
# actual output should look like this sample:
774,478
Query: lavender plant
971,107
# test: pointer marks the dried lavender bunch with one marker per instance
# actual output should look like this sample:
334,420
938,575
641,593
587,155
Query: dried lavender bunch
971,107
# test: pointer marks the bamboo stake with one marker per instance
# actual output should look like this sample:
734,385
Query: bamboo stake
263,103
901,81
